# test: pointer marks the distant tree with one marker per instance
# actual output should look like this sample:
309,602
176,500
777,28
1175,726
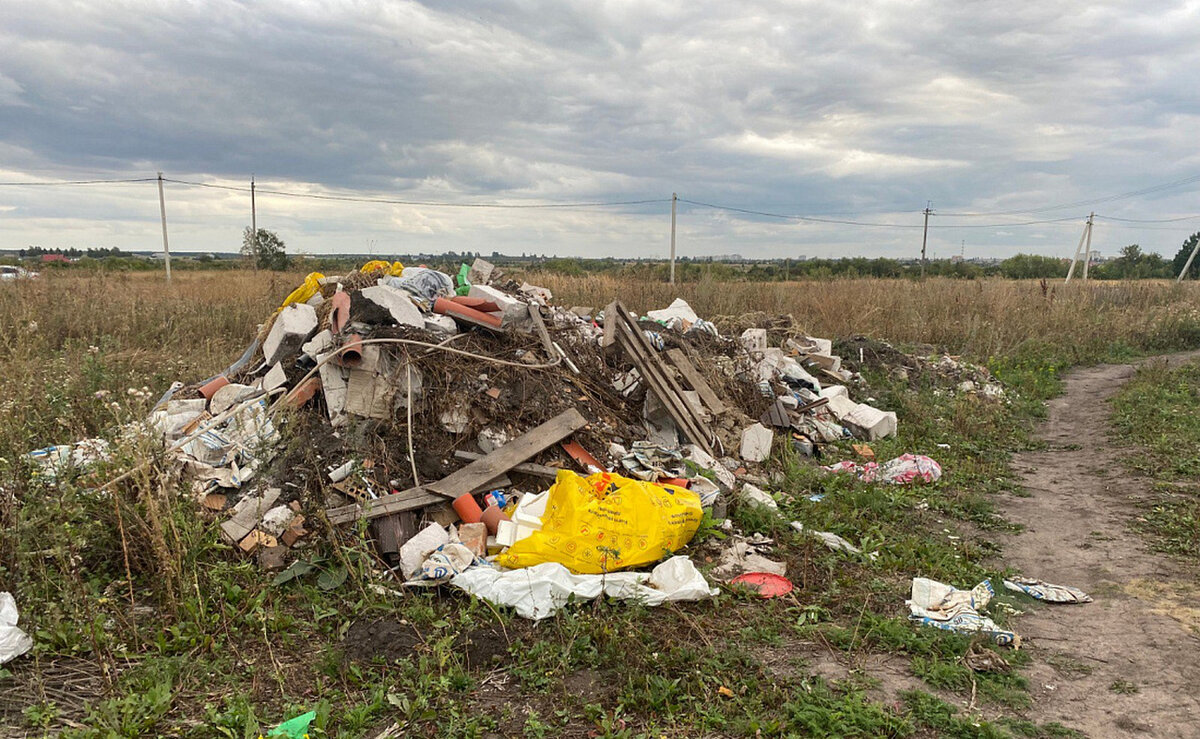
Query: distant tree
264,252
1182,255
1031,266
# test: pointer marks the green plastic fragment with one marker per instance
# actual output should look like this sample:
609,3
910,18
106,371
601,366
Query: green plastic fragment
296,728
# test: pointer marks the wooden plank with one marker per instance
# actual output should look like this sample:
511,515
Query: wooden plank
406,500
609,340
498,482
656,377
525,468
661,382
535,313
508,456
692,377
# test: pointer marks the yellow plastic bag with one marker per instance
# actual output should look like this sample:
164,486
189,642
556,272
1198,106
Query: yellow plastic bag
606,522
374,265
303,293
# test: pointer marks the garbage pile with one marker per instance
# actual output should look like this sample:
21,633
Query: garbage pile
477,429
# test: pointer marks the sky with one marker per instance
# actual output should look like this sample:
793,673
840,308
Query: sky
862,112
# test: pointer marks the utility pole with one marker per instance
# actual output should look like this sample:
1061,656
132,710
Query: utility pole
1087,249
1084,239
253,212
162,209
253,226
1188,264
925,237
674,198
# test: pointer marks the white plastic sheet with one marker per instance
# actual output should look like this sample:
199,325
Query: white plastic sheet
13,641
540,591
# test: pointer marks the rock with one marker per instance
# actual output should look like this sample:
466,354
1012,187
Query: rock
756,443
293,325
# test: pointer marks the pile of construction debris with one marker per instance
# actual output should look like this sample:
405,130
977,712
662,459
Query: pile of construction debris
454,414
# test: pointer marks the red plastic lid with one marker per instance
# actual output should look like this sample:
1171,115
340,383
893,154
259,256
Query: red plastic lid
768,585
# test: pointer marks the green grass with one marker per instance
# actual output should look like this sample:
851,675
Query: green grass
1157,411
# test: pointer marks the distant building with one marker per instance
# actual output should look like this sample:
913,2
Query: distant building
49,258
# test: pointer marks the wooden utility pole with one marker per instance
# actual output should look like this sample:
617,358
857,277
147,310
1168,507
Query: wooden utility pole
162,209
674,198
925,238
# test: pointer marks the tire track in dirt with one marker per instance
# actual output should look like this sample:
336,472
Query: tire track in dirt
1088,659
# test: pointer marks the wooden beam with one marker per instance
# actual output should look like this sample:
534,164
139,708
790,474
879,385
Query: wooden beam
508,456
535,314
526,468
660,382
692,377
405,500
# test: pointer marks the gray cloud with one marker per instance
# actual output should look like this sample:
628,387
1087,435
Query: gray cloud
808,107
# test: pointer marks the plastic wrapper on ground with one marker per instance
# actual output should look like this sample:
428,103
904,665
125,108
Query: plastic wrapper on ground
13,641
540,591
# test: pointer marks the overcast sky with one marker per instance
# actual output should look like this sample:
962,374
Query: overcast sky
856,111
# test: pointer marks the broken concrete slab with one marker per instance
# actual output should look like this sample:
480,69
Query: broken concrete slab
870,423
396,302
320,343
756,443
293,326
334,383
756,497
480,272
229,396
513,310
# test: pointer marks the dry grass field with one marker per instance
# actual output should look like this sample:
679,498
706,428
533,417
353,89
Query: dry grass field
211,649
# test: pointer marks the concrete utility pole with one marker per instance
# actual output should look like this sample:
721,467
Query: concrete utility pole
162,209
925,238
1188,264
674,198
1084,239
253,212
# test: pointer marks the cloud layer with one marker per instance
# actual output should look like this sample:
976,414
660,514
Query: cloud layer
863,110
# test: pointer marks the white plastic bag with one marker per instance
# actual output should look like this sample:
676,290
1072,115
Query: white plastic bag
13,641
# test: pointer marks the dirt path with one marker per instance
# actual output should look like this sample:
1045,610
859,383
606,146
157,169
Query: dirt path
1089,659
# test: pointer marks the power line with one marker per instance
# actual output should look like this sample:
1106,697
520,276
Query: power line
1150,220
1080,203
427,203
814,219
75,182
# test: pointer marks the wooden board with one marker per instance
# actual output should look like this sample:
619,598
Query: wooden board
662,383
609,340
525,468
247,514
508,456
406,500
693,378
535,313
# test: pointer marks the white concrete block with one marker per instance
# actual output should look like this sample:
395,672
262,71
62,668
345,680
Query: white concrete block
291,329
321,343
514,310
870,423
831,391
756,443
756,498
396,302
